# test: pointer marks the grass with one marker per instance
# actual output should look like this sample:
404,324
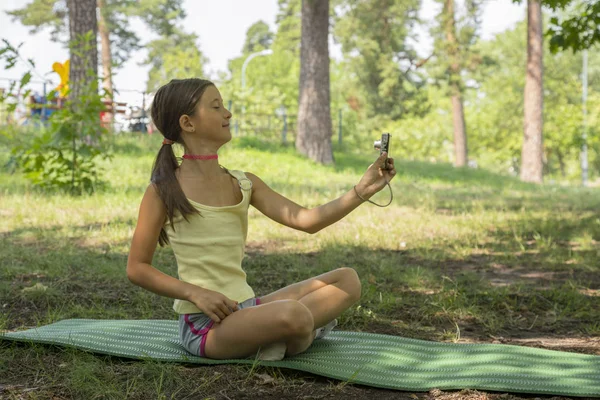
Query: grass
460,255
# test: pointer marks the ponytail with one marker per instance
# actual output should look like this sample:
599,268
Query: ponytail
171,101
169,190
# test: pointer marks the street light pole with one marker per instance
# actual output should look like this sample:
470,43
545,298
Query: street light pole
250,57
584,149
265,52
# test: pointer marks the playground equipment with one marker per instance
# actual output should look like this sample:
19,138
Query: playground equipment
42,106
63,72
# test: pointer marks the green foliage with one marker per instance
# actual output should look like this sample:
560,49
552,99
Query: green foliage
63,155
576,25
39,14
496,108
271,81
10,55
576,30
258,37
452,58
174,56
374,36
159,15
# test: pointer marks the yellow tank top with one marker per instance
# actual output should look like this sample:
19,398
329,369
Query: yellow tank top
210,247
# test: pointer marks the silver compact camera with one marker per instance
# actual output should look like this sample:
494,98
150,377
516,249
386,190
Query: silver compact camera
383,145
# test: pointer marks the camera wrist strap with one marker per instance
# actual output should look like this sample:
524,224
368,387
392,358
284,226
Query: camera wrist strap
378,205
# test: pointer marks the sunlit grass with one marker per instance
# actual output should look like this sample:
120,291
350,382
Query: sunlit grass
460,254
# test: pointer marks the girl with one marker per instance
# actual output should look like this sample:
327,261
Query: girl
201,209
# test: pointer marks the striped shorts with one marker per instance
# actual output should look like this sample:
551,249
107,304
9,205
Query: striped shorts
194,327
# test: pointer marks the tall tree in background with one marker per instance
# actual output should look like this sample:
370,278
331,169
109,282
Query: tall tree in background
458,114
454,39
374,37
258,37
314,116
532,152
106,54
117,38
174,56
84,56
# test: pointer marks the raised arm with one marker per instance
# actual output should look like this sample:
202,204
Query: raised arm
286,212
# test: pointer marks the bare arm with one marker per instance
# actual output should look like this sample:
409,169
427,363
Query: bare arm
287,212
139,264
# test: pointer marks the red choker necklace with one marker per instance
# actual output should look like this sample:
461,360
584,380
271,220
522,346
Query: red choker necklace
200,157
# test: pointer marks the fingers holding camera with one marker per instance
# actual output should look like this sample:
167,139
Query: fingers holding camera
391,168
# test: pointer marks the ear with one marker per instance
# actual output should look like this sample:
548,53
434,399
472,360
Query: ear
186,124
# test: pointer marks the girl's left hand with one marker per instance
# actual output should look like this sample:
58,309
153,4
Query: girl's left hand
376,176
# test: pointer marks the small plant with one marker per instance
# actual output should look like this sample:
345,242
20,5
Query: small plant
65,154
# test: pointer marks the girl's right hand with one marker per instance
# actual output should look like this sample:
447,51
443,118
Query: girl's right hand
214,304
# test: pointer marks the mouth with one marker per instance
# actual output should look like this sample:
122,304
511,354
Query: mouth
225,126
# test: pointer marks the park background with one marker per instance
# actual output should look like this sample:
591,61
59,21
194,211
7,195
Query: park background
474,248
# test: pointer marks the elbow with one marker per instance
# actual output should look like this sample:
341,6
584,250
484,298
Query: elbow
131,274
311,230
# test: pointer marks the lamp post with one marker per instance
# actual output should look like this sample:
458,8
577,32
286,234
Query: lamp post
250,57
584,149
265,52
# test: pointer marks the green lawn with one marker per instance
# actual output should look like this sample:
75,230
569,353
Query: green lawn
460,255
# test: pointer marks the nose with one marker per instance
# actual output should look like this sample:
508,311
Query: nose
228,114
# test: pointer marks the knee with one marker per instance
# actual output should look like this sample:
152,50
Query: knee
353,284
297,319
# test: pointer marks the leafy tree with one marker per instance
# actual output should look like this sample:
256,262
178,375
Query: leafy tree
258,37
374,37
577,28
117,38
497,106
173,56
454,37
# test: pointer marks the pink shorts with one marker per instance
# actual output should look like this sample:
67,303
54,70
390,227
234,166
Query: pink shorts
194,327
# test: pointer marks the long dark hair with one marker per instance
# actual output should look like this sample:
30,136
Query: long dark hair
171,101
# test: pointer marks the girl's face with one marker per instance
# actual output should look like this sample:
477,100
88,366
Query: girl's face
211,119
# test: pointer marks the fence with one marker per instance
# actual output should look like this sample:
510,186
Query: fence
274,123
132,114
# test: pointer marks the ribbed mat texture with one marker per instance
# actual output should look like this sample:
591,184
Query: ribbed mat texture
365,358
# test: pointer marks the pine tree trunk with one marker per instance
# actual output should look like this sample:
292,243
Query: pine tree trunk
532,153
84,56
314,115
458,116
106,56
460,134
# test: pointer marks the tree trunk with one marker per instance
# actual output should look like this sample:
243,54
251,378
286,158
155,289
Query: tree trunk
106,58
314,115
458,116
532,153
460,131
84,56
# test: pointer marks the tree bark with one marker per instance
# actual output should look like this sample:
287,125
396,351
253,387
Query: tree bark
458,115
532,152
83,56
314,115
106,56
460,131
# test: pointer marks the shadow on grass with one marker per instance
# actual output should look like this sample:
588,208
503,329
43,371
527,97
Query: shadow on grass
418,292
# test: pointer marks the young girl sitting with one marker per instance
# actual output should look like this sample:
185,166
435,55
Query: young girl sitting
201,209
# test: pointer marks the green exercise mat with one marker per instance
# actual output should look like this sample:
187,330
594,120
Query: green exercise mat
365,358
